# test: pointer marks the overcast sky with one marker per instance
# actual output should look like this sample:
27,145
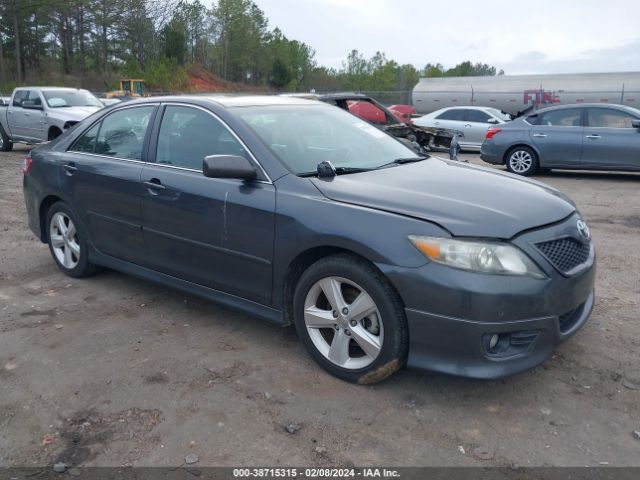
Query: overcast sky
536,36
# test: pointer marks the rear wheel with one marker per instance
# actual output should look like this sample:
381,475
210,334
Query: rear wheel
522,161
351,319
67,242
6,145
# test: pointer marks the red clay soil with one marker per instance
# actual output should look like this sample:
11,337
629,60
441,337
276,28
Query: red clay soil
202,81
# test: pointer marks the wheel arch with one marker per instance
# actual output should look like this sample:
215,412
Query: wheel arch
53,129
45,205
518,145
304,260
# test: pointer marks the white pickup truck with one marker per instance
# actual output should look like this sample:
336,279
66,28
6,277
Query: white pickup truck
40,114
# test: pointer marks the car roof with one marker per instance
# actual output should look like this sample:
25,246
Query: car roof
344,96
229,101
586,105
70,89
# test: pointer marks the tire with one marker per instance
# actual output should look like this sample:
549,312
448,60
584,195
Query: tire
6,145
380,324
53,133
67,242
522,161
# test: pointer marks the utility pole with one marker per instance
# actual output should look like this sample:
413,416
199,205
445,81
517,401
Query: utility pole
16,32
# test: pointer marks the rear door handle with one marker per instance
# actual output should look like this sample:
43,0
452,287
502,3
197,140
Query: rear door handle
593,137
468,125
70,168
154,184
540,135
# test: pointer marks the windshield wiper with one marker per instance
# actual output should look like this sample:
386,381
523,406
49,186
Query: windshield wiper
401,161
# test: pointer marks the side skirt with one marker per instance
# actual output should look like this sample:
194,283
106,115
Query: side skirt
252,308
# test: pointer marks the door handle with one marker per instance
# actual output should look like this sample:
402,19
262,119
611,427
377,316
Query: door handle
154,184
26,114
70,168
467,125
540,135
593,137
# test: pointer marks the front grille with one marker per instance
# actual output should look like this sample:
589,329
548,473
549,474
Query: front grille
565,253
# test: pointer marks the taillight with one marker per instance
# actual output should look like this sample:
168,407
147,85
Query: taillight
26,165
492,132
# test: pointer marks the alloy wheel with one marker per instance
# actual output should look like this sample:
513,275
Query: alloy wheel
343,322
64,240
520,161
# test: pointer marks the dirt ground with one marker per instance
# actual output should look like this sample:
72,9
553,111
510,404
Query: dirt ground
112,371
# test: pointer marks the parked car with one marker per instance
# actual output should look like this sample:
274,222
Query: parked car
585,137
40,114
473,122
5,101
381,117
299,212
406,113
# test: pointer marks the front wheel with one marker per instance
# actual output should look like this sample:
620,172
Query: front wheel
350,319
67,242
522,161
6,145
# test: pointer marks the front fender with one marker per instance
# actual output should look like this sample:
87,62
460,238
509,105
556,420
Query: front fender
306,220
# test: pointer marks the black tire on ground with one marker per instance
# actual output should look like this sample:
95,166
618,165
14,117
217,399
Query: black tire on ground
522,161
393,351
6,145
82,267
54,133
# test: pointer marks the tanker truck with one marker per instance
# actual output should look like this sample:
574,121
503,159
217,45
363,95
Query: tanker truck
517,94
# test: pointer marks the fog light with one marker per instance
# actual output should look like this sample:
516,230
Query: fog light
493,341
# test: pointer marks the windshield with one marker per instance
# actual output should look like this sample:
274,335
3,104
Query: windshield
303,136
70,98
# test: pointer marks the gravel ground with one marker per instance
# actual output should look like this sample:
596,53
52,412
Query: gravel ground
112,371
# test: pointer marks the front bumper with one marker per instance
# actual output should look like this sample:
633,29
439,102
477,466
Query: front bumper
452,314
460,347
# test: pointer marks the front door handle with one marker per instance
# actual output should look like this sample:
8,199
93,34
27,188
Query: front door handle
593,137
154,184
540,135
70,168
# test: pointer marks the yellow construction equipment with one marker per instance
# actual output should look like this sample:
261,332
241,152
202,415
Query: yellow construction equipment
129,87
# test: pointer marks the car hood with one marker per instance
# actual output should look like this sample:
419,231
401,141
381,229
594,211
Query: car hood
72,113
464,199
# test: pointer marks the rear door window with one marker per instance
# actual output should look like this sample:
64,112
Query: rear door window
122,133
87,142
477,116
570,117
609,118
453,114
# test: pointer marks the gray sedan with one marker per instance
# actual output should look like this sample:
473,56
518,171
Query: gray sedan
585,137
301,213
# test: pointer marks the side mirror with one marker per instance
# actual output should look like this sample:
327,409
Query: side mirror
229,166
29,105
635,124
493,121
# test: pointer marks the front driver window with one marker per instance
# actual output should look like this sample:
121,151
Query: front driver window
122,133
187,135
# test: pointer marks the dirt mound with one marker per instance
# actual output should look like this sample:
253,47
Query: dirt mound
202,81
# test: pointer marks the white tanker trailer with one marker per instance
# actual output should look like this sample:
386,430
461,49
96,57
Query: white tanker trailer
516,94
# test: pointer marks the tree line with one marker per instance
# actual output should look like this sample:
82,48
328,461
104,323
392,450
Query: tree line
91,43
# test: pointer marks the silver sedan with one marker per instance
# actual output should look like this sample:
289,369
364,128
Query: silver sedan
473,122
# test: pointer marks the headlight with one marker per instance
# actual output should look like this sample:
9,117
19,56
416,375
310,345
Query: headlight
477,256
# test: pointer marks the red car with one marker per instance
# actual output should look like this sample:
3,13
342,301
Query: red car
404,112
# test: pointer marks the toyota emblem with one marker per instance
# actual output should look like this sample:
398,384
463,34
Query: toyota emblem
583,230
